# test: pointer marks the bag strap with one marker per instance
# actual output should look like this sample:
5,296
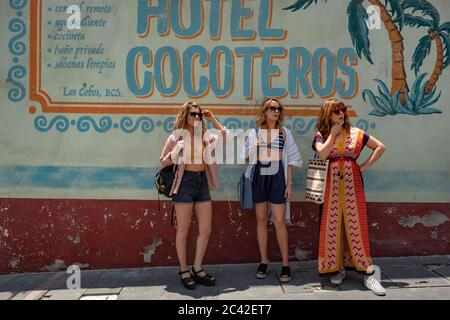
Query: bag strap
257,150
159,208
173,214
239,188
252,173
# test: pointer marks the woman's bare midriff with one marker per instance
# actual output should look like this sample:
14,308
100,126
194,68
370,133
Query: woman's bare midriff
266,155
195,167
196,164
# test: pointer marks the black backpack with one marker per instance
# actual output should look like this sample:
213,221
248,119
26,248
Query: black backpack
164,181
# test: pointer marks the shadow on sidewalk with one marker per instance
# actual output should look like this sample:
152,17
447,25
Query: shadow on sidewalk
233,281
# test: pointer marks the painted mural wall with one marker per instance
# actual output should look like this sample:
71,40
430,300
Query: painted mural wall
84,114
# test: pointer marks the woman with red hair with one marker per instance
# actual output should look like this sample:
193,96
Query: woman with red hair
344,238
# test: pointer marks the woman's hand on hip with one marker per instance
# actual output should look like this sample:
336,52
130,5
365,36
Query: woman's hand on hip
363,167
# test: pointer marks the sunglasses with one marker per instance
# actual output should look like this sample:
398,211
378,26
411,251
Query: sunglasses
195,114
338,111
273,109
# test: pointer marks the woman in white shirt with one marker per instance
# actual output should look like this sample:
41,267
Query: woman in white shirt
272,153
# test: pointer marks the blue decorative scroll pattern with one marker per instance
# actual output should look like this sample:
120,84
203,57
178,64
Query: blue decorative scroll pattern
84,124
60,123
145,123
17,48
17,93
102,125
299,126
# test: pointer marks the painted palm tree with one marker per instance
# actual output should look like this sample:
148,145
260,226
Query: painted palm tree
437,32
359,31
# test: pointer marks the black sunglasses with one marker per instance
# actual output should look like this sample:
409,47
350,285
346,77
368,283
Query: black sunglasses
273,109
195,114
337,111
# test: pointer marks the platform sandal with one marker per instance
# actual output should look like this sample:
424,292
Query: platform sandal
188,282
206,280
261,272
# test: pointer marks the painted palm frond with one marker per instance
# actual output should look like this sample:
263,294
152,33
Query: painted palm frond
421,52
418,101
428,16
383,104
445,27
357,26
446,41
415,22
425,8
396,10
300,4
393,17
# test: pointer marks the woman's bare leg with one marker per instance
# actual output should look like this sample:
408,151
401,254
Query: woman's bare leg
278,218
261,230
204,217
184,218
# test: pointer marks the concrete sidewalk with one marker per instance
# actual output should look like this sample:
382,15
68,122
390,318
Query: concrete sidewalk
403,277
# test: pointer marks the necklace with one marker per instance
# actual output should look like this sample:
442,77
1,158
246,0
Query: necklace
340,143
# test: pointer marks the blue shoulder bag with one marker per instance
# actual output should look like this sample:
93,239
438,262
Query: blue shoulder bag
245,188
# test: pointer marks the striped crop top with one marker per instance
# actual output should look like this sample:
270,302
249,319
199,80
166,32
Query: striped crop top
276,145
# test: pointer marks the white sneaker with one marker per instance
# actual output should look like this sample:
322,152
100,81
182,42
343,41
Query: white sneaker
337,279
372,284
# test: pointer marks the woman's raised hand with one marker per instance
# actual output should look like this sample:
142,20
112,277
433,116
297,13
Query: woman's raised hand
337,128
208,115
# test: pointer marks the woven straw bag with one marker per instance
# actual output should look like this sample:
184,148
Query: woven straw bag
316,180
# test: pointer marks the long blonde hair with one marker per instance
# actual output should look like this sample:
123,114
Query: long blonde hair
324,120
261,117
180,120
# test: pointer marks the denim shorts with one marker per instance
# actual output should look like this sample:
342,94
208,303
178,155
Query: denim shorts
270,186
193,188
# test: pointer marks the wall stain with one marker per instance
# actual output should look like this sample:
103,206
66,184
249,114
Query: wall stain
150,250
302,254
434,219
58,265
